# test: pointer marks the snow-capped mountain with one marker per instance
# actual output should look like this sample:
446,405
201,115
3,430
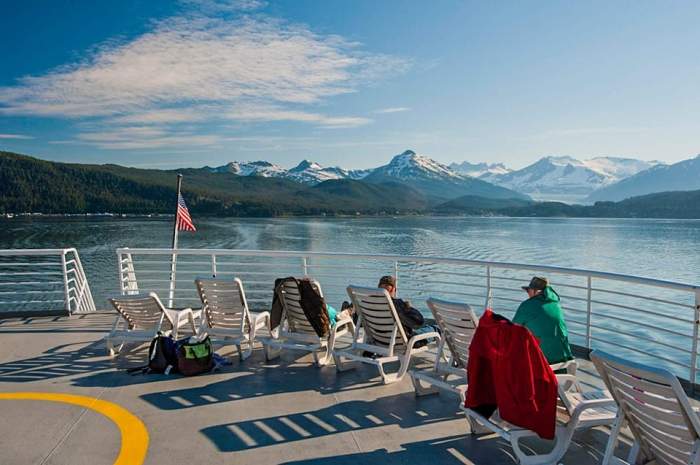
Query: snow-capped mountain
568,179
409,165
435,179
681,176
252,168
309,172
477,170
306,172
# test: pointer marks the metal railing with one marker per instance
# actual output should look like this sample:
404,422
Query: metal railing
43,282
646,320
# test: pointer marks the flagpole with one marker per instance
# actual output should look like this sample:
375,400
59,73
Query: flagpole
171,293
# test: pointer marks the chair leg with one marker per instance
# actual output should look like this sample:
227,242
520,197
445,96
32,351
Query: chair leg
341,365
609,455
562,440
405,363
475,427
388,378
271,353
245,354
322,360
420,389
110,346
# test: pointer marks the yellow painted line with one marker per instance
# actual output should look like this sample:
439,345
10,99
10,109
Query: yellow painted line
133,432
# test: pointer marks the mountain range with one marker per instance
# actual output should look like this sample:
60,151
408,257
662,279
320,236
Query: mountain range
306,172
437,181
568,179
409,184
552,178
681,176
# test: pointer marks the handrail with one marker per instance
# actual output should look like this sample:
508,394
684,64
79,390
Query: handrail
44,281
627,312
418,258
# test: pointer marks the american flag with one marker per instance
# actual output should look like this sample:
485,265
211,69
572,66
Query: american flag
183,220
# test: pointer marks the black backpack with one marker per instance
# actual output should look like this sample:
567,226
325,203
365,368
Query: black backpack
162,355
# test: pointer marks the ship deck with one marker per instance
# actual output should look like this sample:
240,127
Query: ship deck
252,412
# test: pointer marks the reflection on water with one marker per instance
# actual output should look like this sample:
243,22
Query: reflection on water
666,249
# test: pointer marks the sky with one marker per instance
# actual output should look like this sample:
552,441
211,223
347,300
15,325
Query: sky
168,84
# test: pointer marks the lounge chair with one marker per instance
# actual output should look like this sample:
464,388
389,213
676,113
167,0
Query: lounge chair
142,317
652,402
457,323
226,313
296,333
384,335
577,411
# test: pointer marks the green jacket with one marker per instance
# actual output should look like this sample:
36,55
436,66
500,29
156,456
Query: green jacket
543,316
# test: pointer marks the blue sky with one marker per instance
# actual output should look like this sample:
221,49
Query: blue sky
351,83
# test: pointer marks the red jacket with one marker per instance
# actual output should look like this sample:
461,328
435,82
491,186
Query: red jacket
507,370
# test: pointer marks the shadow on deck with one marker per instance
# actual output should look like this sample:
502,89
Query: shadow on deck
286,411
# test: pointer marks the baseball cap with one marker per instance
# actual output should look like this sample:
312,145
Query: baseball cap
537,283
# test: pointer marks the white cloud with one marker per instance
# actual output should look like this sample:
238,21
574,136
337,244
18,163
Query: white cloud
15,136
392,110
252,113
195,68
145,137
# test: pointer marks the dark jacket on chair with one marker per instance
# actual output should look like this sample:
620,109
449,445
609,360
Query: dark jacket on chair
313,305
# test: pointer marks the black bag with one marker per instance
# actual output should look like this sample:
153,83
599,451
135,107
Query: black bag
194,358
162,355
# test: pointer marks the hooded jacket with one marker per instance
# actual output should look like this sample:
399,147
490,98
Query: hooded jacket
543,316
507,370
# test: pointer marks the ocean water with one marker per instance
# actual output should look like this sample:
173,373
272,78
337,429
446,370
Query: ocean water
663,249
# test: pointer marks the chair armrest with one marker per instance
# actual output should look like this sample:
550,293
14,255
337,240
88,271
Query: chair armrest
342,322
260,317
566,382
421,337
591,404
570,366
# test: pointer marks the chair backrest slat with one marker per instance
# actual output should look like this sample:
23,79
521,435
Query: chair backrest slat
224,303
656,408
378,316
458,324
143,312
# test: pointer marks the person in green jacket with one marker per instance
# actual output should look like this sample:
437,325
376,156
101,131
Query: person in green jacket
543,316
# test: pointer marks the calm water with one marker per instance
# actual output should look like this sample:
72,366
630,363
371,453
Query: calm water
667,249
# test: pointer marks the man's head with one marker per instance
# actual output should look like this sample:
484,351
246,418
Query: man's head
536,286
389,283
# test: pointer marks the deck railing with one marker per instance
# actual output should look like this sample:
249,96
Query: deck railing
646,320
43,281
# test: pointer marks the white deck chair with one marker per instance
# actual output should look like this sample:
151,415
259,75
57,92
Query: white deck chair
457,323
654,405
296,333
226,314
577,411
142,317
383,334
